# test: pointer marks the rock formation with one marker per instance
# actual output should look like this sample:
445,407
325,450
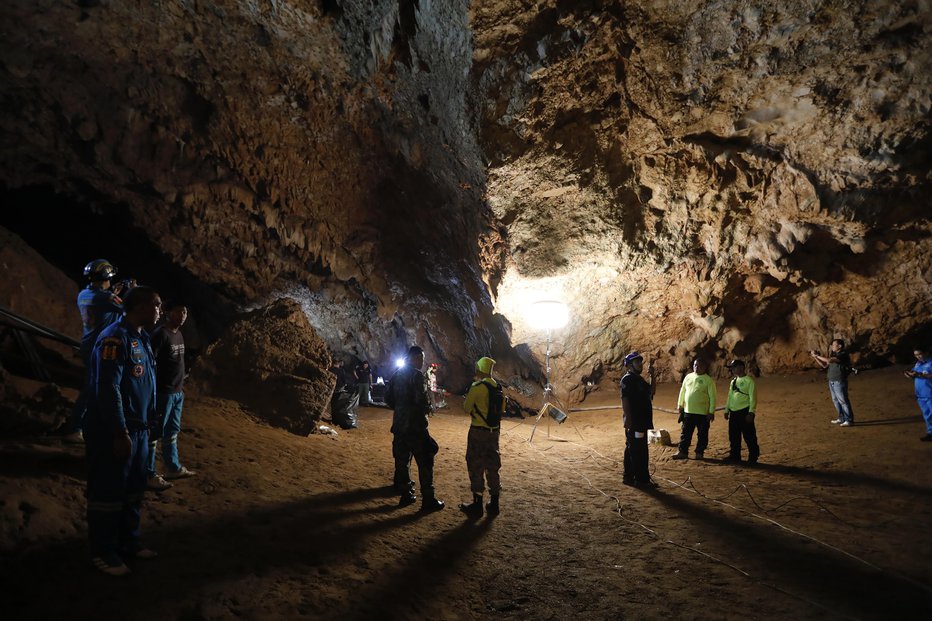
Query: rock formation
273,362
725,177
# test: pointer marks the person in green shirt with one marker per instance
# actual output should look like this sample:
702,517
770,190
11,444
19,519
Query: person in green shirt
739,412
483,403
697,409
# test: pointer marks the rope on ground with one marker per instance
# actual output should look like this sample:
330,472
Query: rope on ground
619,511
769,520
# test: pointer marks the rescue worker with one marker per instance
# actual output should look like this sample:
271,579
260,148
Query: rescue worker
99,307
484,404
637,395
168,348
406,395
696,404
921,374
739,412
117,433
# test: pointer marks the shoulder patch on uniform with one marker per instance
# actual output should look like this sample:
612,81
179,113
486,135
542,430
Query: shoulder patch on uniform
110,348
138,370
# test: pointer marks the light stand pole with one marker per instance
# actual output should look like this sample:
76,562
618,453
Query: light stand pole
548,389
548,315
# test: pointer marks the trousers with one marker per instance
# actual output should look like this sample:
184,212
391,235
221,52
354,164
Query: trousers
739,426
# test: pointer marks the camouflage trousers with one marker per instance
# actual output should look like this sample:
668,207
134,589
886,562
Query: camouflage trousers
483,460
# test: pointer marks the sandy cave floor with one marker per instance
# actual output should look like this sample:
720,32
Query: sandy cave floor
833,524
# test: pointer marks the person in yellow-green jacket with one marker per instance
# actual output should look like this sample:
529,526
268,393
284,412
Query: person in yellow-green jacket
697,409
484,404
739,412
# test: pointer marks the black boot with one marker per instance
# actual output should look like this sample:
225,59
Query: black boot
474,509
431,504
492,507
406,499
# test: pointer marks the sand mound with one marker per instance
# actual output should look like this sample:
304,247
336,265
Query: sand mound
272,361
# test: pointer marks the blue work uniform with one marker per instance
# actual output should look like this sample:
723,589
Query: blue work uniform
123,401
924,392
99,309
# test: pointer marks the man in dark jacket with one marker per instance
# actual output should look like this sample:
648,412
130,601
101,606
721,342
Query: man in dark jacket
408,398
117,433
638,416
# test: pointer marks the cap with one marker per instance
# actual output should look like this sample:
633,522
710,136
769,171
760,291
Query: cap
485,365
632,357
735,363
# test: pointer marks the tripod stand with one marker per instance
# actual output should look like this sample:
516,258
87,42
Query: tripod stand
548,408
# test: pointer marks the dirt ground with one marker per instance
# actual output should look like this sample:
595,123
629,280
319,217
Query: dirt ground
833,524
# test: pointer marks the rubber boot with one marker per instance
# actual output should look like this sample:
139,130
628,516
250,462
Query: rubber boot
474,509
492,507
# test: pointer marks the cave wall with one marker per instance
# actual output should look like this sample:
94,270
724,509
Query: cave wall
729,178
724,177
270,148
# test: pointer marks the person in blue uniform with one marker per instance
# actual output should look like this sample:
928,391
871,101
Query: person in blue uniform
116,433
99,307
921,374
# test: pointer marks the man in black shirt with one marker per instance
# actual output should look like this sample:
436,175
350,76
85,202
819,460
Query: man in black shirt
638,416
838,364
168,346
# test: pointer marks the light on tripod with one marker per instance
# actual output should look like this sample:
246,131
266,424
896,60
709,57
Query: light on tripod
548,314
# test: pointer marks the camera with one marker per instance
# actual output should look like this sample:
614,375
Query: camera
124,285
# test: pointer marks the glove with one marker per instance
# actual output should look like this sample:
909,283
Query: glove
750,417
711,417
726,414
682,416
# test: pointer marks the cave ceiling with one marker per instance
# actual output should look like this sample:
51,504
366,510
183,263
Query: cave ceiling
729,178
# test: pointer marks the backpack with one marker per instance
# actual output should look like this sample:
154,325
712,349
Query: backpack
496,404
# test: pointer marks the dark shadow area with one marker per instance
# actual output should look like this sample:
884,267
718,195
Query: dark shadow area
773,556
38,461
421,575
70,231
56,581
890,421
831,477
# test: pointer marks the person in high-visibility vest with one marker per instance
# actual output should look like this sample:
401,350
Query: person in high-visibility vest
484,404
696,404
740,413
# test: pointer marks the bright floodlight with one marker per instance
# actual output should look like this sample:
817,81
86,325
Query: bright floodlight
399,362
548,314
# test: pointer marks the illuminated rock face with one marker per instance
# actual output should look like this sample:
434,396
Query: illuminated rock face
725,178
731,178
